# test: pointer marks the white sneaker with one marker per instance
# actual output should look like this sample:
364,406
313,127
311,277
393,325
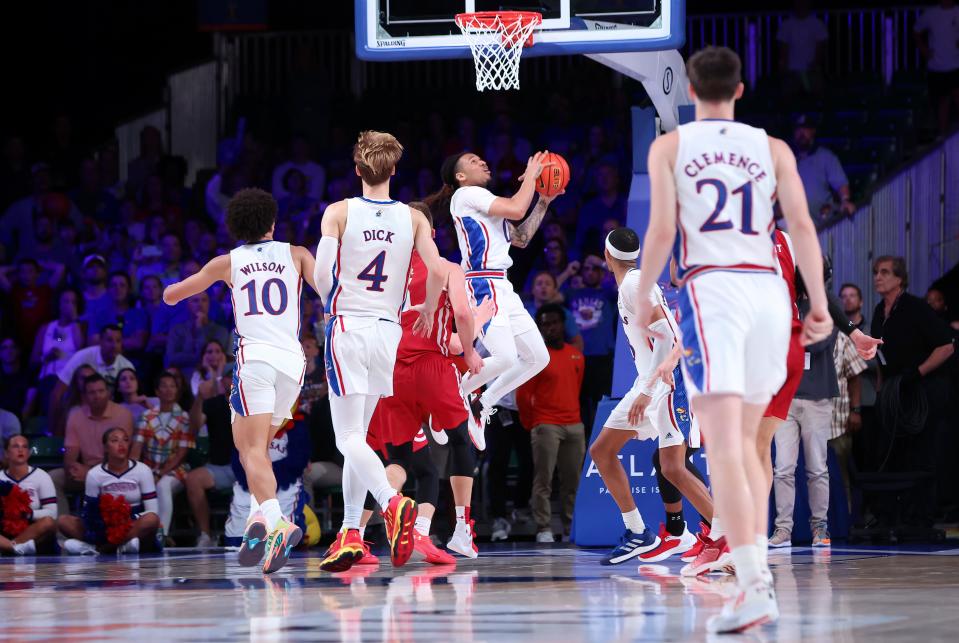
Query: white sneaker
545,537
462,541
131,546
78,547
781,539
28,548
501,529
204,541
476,422
753,606
439,437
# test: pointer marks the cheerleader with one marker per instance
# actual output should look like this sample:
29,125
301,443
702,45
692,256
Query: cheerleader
28,502
120,508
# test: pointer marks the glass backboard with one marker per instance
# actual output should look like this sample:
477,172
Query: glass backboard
425,29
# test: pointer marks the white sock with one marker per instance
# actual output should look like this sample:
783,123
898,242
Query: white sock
634,521
748,566
461,514
272,512
716,530
362,532
28,548
254,506
422,525
763,543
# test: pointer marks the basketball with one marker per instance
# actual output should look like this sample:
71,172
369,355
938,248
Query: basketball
555,175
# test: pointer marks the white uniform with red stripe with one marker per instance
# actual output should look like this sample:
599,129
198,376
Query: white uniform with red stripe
370,281
668,416
266,308
734,309
39,486
484,244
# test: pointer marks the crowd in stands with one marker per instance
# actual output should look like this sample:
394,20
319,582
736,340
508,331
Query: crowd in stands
87,346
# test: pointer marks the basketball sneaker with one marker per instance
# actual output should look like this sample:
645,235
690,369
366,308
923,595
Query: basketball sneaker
369,558
440,436
131,546
280,544
695,550
476,422
463,540
713,557
754,605
425,551
501,529
781,539
669,545
400,515
820,537
254,541
631,545
345,551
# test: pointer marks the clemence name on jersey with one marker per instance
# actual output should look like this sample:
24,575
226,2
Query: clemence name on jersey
272,266
704,160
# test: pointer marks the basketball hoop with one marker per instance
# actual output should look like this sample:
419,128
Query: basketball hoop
497,39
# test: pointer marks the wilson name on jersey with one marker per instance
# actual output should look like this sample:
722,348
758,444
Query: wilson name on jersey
266,306
371,272
725,187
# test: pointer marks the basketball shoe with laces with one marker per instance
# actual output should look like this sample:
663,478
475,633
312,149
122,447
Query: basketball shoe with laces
344,552
280,544
400,515
631,544
695,550
369,558
254,541
754,605
424,550
669,545
713,557
464,537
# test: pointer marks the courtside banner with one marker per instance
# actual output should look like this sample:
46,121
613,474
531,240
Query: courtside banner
597,521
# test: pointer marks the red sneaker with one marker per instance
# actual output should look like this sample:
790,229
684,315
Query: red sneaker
368,557
345,551
400,515
714,556
695,550
426,551
669,545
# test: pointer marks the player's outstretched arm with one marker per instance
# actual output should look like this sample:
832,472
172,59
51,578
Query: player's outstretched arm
792,199
521,234
465,324
484,312
331,229
435,264
662,222
515,207
216,269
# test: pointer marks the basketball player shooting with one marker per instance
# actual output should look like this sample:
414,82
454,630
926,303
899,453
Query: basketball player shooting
485,231
722,176
266,278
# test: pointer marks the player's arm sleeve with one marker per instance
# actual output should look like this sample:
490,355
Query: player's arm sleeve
661,350
148,490
323,270
838,315
48,499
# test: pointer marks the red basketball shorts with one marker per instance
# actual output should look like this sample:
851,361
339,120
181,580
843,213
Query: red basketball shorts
795,363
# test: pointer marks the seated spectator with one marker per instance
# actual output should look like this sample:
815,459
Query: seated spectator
14,382
556,262
38,528
161,441
211,409
134,322
30,300
130,396
73,397
167,265
9,424
106,358
545,291
59,340
185,399
549,403
188,339
298,206
821,173
313,172
117,475
609,203
17,223
212,364
162,317
96,299
289,452
92,200
82,444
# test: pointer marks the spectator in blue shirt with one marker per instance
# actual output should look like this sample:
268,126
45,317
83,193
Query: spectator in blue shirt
821,173
609,203
134,321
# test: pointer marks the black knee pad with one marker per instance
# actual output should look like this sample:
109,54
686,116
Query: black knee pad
462,453
667,490
427,477
370,503
692,468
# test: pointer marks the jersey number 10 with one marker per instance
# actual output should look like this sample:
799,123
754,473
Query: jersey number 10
266,297
745,191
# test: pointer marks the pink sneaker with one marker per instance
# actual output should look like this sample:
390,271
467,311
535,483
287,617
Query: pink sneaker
695,550
713,557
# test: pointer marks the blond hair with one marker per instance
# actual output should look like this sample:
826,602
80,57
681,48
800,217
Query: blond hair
376,155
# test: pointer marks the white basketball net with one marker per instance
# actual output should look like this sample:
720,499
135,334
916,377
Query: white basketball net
497,41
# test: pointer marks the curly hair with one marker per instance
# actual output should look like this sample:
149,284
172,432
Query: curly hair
250,214
376,155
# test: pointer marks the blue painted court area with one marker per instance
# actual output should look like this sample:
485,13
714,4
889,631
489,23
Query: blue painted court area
513,592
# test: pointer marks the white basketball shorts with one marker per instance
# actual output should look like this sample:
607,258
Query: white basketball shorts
360,355
260,388
735,332
509,310
667,418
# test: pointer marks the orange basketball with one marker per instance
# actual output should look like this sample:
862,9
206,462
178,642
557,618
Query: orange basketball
555,175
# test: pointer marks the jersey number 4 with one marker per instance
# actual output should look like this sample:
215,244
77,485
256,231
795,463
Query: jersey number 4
745,191
266,297
373,273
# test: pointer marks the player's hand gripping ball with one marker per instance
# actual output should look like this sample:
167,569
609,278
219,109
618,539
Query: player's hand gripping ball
555,175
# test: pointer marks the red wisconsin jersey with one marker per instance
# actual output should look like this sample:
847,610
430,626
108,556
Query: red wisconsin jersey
787,268
438,340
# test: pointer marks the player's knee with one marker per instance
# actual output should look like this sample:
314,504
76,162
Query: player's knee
348,436
672,470
150,521
46,525
600,452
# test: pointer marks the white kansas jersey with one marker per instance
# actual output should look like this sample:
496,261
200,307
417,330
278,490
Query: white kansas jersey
266,306
39,486
135,484
484,239
725,187
372,269
640,346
